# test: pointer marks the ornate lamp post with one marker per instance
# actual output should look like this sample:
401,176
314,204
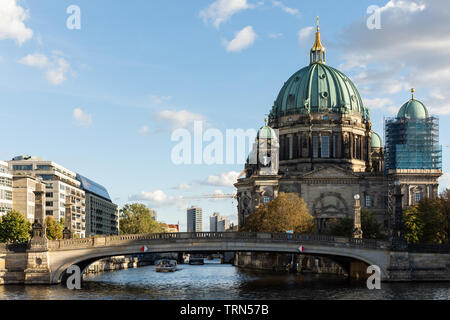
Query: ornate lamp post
357,230
399,242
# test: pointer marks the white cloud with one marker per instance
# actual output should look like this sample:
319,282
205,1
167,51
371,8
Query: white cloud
222,10
243,40
444,181
183,186
412,49
55,67
384,104
12,26
158,100
227,179
57,73
179,119
305,33
291,11
159,199
275,35
35,60
81,118
144,130
404,5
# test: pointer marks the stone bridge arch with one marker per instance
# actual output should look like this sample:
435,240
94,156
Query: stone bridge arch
350,253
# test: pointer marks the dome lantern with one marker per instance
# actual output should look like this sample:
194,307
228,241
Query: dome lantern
318,50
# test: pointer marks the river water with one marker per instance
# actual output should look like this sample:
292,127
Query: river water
223,282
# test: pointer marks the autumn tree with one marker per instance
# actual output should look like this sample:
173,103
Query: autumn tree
136,218
14,227
54,228
287,212
427,221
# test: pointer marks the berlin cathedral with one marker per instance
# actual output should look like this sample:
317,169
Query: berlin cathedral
319,144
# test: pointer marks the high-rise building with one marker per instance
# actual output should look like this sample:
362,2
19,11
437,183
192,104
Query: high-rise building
154,214
60,183
194,219
218,223
5,189
102,216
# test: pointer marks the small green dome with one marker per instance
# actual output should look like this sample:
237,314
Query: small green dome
376,141
318,88
413,109
266,132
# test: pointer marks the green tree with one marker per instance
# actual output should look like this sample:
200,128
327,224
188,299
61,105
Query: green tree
14,227
445,207
54,229
413,225
370,227
341,228
287,212
136,218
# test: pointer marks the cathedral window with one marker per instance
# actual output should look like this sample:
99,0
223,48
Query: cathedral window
315,146
368,201
334,147
418,197
291,148
325,148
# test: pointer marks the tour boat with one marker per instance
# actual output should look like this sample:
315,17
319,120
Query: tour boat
166,266
194,260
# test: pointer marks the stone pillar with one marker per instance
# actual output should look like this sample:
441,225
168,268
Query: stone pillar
37,270
357,230
398,236
67,233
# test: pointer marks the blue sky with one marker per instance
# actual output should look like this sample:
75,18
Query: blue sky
103,100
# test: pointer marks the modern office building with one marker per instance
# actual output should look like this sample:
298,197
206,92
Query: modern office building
194,219
60,183
24,187
102,216
6,191
218,223
154,214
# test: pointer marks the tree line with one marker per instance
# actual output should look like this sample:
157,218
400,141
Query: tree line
426,222
134,218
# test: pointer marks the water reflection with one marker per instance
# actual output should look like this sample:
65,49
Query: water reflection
216,281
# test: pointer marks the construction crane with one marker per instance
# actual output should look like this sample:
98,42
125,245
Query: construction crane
211,196
217,196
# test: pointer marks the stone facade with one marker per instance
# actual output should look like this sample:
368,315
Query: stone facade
319,144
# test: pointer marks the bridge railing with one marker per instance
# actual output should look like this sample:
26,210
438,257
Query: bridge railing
429,248
300,238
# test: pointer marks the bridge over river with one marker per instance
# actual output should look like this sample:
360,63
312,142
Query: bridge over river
45,262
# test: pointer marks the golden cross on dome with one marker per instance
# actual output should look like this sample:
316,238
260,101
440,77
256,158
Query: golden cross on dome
412,91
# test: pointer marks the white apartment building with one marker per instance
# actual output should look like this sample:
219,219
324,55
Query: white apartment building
60,183
194,219
218,223
5,189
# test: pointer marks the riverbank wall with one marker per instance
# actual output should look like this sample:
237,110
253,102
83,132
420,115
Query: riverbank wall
279,262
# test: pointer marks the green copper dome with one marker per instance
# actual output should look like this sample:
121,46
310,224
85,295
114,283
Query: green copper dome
318,88
413,109
376,141
266,132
